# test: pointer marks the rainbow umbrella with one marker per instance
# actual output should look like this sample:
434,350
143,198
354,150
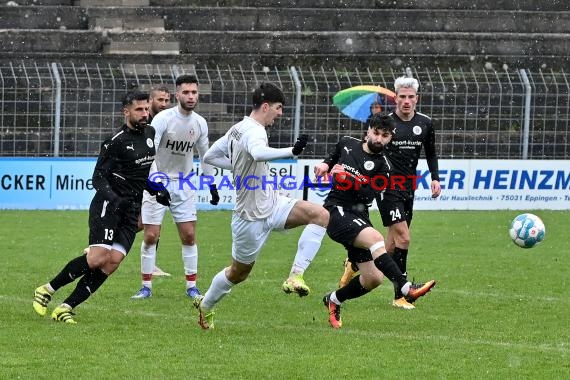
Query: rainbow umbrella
355,102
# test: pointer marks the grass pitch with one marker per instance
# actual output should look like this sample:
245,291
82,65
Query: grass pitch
497,312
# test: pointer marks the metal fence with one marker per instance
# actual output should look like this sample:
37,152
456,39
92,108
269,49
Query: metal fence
476,114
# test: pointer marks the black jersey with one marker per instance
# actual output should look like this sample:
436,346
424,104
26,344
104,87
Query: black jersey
405,148
369,173
123,165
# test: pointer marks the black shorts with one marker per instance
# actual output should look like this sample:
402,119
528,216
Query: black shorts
106,227
396,207
344,226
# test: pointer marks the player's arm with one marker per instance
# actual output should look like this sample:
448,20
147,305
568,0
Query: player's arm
334,155
330,162
218,154
202,146
255,142
431,155
102,172
103,169
433,166
256,145
208,170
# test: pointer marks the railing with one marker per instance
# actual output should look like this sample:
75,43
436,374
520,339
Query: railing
476,114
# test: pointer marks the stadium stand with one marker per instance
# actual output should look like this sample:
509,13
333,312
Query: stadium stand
293,31
103,47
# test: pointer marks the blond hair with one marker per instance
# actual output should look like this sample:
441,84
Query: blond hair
406,82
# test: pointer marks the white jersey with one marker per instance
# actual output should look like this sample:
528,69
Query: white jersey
175,139
245,150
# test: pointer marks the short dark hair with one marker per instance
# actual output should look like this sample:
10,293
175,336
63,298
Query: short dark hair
131,96
186,79
160,88
267,93
382,122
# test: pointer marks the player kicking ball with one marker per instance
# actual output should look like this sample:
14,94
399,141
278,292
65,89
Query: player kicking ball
348,202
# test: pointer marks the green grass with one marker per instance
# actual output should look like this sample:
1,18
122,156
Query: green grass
498,311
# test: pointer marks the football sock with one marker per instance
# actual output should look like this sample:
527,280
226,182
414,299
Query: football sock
333,298
190,280
87,285
353,289
218,289
75,268
190,259
390,269
307,247
400,256
148,259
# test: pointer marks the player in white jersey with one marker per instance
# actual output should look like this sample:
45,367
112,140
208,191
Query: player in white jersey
159,99
259,207
179,131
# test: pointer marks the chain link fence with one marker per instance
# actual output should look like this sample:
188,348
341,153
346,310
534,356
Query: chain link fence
476,114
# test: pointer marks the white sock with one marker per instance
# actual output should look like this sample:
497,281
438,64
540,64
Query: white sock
49,288
190,260
218,289
406,288
334,299
148,258
307,247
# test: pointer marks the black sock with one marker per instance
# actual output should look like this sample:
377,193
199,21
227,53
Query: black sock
390,269
88,285
72,270
400,256
353,289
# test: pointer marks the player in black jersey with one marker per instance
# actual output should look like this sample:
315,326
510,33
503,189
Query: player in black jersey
413,131
360,170
158,100
120,176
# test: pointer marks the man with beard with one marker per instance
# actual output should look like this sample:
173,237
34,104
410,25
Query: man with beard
413,130
178,131
159,99
120,176
360,170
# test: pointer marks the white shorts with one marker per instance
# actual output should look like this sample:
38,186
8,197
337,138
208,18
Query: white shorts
248,237
182,206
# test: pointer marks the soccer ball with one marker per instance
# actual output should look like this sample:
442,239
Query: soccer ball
527,230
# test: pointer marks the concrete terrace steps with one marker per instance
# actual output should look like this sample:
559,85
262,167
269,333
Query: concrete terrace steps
326,48
532,5
43,17
349,43
47,3
272,19
275,32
